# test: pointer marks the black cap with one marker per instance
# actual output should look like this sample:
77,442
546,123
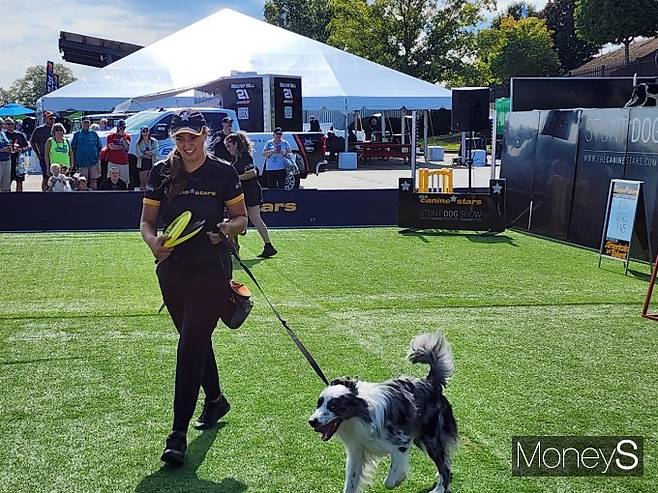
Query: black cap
120,123
227,119
86,119
278,130
188,121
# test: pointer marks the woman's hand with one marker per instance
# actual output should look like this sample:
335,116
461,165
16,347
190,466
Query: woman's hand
160,252
217,238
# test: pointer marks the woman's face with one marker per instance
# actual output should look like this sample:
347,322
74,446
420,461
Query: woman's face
145,133
190,146
231,146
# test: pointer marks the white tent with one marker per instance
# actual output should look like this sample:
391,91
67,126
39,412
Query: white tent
197,54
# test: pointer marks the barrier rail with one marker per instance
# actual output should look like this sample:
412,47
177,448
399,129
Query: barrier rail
435,180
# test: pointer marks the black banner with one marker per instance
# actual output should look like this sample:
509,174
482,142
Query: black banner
642,165
549,93
555,167
245,97
288,103
601,157
456,211
518,161
50,76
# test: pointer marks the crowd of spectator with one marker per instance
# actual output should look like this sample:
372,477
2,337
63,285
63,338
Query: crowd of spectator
78,162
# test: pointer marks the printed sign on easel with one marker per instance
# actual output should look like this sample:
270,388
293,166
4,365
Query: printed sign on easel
621,227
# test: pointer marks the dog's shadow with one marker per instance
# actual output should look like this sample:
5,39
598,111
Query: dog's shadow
185,478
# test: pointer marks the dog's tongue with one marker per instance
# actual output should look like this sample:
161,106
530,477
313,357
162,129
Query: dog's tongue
329,430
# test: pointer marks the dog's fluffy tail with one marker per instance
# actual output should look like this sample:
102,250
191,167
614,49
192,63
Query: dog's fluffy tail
434,350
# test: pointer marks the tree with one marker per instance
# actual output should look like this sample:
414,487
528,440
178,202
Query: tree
429,39
4,96
515,10
616,21
521,48
32,86
306,17
572,51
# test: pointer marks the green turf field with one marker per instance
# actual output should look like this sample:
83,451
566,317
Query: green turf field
545,344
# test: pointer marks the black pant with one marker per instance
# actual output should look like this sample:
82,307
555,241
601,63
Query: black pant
276,178
196,293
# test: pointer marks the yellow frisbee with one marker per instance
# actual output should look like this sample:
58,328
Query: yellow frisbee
189,232
175,228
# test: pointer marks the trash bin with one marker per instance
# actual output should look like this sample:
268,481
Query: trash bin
435,153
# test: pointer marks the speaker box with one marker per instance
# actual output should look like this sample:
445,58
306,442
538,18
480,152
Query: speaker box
470,109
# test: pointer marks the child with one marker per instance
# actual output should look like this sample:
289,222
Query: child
58,182
81,184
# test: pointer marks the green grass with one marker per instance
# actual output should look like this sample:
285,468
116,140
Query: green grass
545,343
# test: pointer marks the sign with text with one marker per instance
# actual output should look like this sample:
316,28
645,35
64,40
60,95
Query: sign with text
577,456
244,95
452,211
288,103
621,211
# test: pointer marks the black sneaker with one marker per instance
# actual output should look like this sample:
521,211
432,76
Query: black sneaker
268,251
212,413
175,447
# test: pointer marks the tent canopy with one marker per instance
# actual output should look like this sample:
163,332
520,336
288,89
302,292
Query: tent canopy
14,109
331,78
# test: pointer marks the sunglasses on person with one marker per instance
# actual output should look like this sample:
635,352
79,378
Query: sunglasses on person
58,131
145,131
278,133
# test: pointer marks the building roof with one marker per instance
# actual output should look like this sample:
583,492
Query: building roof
615,59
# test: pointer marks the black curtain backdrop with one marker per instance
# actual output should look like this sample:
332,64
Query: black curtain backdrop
567,166
518,160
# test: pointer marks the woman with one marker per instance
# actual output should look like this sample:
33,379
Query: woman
58,150
147,155
192,276
239,146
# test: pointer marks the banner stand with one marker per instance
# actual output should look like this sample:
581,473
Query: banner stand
623,225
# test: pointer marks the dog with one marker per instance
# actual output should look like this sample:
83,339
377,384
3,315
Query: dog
644,94
374,420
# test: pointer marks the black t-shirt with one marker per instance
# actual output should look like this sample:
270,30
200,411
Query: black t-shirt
107,184
206,192
220,150
251,186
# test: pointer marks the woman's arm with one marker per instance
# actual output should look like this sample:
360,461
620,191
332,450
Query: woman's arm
147,226
46,151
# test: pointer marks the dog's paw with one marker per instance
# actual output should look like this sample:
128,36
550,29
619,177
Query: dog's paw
393,481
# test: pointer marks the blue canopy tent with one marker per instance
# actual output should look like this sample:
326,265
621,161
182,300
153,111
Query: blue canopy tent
14,109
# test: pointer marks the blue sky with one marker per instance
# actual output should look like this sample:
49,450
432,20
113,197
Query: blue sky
30,28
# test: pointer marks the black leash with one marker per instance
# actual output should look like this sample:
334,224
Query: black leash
293,336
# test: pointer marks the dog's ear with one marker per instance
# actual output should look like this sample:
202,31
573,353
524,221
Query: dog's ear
348,382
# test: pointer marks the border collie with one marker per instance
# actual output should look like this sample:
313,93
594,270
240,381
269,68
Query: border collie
374,420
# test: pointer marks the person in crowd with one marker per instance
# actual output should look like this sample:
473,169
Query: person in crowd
29,124
217,144
241,150
114,182
81,184
276,152
86,146
147,155
19,145
314,125
57,149
118,144
6,149
333,144
58,182
95,127
103,126
193,276
38,140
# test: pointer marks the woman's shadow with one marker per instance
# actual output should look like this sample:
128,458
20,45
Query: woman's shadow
185,479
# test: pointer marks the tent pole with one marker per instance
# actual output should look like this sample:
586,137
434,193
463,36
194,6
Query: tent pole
425,133
402,124
494,137
413,150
